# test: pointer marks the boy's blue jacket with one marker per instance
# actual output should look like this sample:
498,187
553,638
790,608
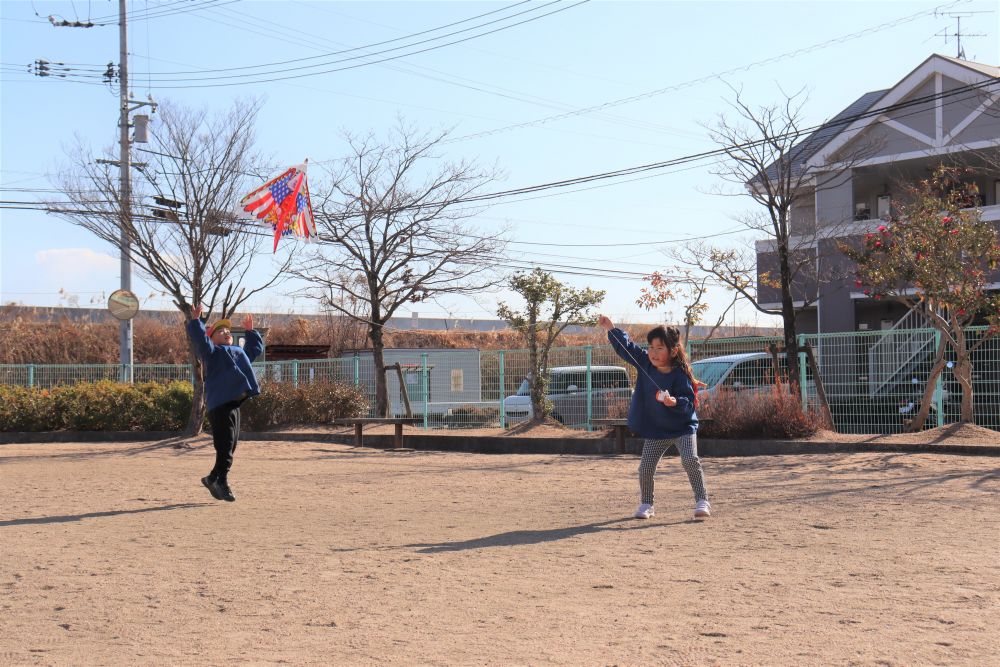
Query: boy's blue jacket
228,373
648,417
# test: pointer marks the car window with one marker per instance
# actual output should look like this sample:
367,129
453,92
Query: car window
610,379
750,373
710,372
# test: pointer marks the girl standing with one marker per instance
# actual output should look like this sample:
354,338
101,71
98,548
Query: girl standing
662,410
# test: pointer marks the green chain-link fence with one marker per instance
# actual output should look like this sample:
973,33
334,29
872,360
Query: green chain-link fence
873,380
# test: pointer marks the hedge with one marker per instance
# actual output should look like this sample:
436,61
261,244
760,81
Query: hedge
152,406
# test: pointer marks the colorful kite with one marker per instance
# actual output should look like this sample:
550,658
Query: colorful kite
283,203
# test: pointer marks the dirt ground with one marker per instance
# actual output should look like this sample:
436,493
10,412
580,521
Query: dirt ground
114,554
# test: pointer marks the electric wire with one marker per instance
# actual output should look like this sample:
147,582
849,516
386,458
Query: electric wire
707,78
842,122
228,80
438,76
368,46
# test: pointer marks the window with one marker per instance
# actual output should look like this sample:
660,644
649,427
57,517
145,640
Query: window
884,208
457,380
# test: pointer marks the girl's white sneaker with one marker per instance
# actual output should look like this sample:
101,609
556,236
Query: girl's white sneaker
645,511
702,509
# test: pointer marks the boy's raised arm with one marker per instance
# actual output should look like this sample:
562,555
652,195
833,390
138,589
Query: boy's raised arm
196,332
254,341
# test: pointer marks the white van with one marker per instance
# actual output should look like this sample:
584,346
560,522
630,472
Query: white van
610,386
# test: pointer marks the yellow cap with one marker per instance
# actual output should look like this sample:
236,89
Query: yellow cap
220,323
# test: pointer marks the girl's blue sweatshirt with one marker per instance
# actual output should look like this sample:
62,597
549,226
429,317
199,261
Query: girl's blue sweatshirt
228,373
648,417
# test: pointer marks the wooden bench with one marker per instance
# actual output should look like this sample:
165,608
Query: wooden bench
397,422
621,430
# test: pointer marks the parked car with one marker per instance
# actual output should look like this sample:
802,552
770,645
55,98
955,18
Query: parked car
749,371
887,412
611,387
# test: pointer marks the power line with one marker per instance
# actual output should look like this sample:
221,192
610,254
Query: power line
842,122
718,152
374,44
163,11
707,78
215,81
478,87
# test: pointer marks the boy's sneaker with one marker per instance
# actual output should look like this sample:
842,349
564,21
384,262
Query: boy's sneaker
702,509
225,492
645,511
213,487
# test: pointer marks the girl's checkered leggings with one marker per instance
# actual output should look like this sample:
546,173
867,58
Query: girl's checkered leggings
652,452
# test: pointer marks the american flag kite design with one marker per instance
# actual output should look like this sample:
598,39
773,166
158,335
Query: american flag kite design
283,203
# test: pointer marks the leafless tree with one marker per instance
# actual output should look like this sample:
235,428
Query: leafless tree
180,223
766,161
393,231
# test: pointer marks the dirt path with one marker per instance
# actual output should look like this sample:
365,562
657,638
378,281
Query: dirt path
115,554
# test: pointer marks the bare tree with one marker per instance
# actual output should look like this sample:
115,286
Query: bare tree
392,231
181,230
766,161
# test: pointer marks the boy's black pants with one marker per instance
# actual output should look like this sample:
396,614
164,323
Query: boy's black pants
225,421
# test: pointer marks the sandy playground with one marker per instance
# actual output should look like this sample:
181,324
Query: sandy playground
114,554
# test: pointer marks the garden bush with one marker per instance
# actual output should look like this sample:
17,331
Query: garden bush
26,409
152,406
472,416
283,405
96,406
744,414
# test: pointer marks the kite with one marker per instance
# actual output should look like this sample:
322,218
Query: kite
283,203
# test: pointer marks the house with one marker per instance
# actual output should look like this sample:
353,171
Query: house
945,110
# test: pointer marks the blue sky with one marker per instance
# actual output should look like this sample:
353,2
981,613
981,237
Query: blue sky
524,98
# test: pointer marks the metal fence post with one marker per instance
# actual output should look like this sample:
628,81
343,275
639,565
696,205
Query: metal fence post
357,370
423,382
31,375
939,389
803,393
503,390
295,373
590,388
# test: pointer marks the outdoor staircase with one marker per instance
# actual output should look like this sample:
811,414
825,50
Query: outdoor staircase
909,342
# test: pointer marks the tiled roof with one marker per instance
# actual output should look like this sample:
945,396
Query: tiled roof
988,70
808,147
802,152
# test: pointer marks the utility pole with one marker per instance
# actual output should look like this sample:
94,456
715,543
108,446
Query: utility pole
126,106
124,163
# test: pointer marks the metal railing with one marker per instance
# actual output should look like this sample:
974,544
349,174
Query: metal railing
897,349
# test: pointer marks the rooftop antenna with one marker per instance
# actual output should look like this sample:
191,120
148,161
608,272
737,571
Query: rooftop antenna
958,16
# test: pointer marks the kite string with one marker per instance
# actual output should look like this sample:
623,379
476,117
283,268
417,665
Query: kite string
640,367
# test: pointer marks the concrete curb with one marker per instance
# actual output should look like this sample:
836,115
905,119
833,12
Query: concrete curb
514,445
